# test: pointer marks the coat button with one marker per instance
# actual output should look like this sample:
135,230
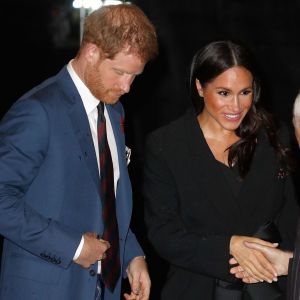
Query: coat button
92,272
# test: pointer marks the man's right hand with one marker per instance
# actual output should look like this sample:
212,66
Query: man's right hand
92,251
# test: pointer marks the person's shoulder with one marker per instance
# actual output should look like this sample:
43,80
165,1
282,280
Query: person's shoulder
172,133
174,127
45,87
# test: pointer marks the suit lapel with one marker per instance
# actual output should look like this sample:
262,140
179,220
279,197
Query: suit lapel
123,192
79,120
114,117
82,131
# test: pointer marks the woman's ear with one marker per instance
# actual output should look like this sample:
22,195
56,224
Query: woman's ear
199,88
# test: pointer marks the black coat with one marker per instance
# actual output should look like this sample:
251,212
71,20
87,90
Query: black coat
293,291
191,212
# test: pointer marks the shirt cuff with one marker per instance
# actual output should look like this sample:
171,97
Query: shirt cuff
78,251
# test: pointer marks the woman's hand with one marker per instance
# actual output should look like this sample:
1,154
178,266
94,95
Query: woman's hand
252,261
278,258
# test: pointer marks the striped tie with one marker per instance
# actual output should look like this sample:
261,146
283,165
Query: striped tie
110,266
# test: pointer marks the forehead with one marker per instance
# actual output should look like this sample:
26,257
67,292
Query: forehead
235,76
127,62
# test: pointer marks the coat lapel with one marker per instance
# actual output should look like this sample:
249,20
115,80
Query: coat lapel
263,165
210,173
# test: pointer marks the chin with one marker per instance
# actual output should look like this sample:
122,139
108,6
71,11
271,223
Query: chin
231,127
111,101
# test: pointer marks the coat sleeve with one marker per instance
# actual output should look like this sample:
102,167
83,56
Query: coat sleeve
288,216
24,138
293,287
198,253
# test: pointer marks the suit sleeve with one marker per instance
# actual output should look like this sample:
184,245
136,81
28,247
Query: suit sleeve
290,211
182,247
24,138
132,250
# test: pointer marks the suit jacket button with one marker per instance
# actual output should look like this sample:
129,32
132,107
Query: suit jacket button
92,272
53,260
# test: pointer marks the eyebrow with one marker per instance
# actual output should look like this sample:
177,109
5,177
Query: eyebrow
228,89
122,70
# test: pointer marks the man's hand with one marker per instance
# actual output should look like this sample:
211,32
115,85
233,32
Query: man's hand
139,279
93,250
252,261
278,258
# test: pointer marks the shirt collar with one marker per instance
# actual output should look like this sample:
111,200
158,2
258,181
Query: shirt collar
90,102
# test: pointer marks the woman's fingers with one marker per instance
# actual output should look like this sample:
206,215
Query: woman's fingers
258,267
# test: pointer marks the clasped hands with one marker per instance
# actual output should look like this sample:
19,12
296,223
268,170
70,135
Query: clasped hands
255,260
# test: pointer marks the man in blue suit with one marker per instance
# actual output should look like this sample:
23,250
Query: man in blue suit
50,195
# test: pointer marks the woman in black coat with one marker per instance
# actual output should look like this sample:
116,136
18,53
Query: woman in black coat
215,178
285,262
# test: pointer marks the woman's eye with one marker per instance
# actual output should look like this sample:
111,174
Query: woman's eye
223,93
247,92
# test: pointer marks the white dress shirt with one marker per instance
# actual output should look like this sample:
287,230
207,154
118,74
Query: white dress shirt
90,104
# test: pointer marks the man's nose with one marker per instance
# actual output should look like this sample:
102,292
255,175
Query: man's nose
126,82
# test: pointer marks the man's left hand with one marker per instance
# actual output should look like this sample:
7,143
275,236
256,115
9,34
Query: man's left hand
139,279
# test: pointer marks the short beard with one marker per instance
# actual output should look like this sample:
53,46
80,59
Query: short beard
93,81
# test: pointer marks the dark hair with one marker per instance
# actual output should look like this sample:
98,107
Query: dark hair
211,61
121,27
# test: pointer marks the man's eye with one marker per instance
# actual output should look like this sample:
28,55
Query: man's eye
119,72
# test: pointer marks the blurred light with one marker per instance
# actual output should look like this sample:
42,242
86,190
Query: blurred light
87,6
95,4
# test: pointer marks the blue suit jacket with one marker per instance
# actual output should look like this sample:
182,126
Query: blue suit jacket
49,194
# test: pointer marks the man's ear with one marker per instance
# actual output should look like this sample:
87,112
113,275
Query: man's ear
92,52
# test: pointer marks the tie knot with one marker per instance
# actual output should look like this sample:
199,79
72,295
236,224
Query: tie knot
100,107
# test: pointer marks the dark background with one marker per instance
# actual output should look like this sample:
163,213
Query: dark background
39,37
